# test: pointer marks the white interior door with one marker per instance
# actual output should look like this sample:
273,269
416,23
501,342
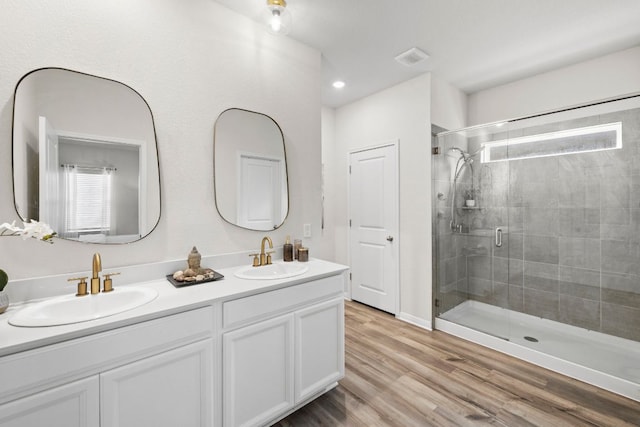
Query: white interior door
373,237
49,172
259,193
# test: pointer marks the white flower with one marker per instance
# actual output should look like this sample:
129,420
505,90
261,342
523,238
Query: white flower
35,229
38,230
9,227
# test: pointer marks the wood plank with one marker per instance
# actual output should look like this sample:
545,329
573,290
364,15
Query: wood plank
401,375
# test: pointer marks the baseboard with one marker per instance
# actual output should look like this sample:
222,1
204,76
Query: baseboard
421,323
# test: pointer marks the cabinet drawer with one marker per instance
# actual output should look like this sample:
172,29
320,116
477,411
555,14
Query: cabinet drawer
34,370
256,307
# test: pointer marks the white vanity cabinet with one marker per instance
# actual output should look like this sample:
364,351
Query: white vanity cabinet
158,372
71,405
170,389
280,349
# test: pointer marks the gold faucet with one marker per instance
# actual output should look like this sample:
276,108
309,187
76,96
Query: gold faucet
95,278
265,257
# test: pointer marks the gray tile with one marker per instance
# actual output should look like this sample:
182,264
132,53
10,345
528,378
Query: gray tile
579,222
541,249
621,321
450,272
447,247
500,295
516,272
541,221
516,245
635,191
616,193
579,252
516,298
622,298
461,263
578,282
592,194
540,276
516,219
501,270
621,282
580,312
479,267
542,304
620,257
621,289
541,194
479,288
616,216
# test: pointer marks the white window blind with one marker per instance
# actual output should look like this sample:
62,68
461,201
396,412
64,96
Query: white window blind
87,193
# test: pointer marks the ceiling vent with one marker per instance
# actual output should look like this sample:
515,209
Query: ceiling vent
411,57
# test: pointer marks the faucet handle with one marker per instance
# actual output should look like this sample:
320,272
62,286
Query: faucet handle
82,285
269,257
256,260
108,283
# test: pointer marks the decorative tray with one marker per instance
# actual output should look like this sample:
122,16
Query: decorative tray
174,282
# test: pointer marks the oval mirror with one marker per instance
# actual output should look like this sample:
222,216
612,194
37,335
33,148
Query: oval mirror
85,159
250,170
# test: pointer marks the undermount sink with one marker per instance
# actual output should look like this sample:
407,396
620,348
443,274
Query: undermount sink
72,309
278,270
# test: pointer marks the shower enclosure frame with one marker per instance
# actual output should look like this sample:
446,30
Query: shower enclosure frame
443,224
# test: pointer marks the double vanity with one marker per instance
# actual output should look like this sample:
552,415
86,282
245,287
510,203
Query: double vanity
242,351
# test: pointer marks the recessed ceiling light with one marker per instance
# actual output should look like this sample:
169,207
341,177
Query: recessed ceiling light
338,84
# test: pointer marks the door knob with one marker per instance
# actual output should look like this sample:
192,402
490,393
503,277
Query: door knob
390,238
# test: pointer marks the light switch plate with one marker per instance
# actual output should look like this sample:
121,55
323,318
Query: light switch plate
306,230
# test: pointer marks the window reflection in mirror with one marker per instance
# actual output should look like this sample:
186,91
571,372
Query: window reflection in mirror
250,170
84,157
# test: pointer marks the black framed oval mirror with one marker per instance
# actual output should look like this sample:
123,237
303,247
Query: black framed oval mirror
85,158
250,170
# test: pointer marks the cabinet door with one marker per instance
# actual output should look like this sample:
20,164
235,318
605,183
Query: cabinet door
258,372
70,405
319,338
174,388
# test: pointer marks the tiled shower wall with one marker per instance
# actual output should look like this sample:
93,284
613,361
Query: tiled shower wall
571,249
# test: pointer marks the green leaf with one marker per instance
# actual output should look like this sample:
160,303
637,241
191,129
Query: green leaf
4,279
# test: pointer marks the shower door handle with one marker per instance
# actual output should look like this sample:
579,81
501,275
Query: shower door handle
499,237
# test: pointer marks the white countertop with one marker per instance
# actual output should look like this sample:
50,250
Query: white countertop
170,300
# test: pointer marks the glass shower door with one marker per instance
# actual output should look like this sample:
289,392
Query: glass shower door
472,234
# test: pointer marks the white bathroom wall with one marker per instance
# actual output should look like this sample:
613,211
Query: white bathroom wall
190,60
604,77
448,104
401,113
331,247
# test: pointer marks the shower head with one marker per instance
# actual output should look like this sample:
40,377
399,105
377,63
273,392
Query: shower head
463,154
466,157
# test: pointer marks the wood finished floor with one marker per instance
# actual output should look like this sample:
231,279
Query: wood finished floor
401,375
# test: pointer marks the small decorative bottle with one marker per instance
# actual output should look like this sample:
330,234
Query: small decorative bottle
297,244
287,250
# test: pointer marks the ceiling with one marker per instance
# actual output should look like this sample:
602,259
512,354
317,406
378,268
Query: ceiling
472,44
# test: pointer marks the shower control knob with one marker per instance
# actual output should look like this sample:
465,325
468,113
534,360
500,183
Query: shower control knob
390,238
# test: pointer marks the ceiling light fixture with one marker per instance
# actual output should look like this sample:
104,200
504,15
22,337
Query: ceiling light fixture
278,18
338,84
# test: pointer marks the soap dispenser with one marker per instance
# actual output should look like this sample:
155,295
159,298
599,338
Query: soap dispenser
287,250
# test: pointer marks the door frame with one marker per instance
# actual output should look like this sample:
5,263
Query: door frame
395,143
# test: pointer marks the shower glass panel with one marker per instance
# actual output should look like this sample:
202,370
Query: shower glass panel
537,233
472,232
